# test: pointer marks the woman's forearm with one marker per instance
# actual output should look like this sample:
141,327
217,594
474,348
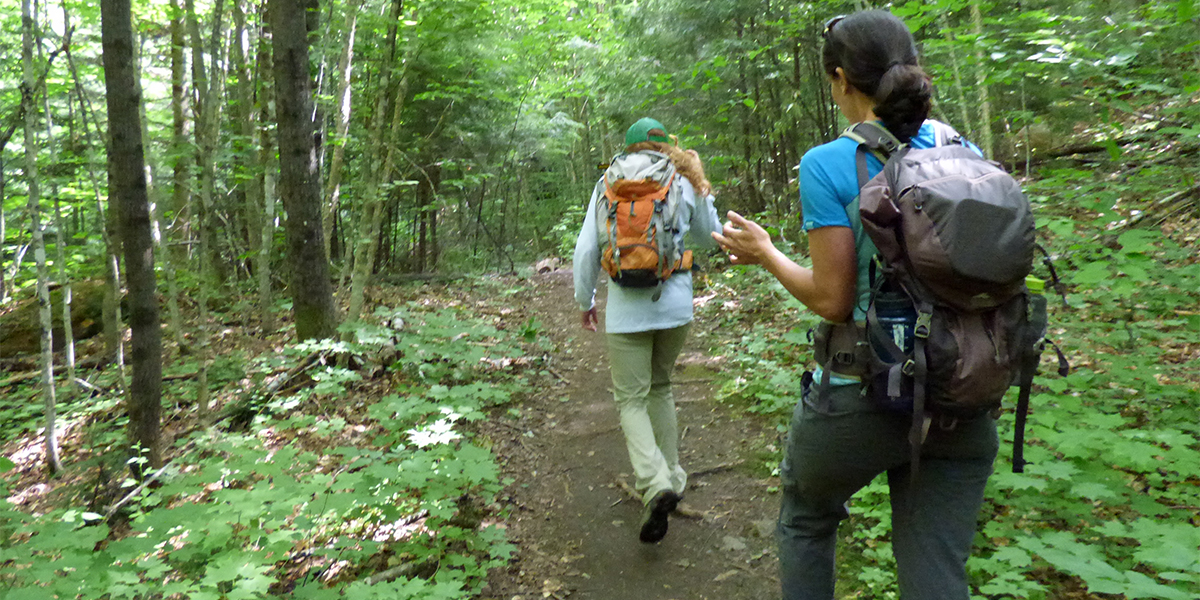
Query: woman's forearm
799,282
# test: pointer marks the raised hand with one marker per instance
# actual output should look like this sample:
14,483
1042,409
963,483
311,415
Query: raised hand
746,242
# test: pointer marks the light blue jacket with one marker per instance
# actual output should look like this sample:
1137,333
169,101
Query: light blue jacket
632,310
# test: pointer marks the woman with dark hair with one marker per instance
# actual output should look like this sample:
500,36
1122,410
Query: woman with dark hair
839,439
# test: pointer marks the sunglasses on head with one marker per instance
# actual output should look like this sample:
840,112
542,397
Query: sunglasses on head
829,25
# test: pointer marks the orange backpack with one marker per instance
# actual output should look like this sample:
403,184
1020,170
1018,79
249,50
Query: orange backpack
639,221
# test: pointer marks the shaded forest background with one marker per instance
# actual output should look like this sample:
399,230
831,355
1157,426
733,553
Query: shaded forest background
434,139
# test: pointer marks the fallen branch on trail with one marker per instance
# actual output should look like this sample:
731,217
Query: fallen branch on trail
681,510
408,570
718,468
247,407
1167,207
422,277
145,483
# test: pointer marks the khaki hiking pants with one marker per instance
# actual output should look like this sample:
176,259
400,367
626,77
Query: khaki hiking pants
641,373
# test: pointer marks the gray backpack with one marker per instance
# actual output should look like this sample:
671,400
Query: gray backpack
950,323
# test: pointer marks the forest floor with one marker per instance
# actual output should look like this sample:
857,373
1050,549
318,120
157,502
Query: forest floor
573,518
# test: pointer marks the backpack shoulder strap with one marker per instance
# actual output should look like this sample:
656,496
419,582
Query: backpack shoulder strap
945,135
874,138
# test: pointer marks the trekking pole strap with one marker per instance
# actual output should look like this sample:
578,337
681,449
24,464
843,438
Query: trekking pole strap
1028,368
1055,282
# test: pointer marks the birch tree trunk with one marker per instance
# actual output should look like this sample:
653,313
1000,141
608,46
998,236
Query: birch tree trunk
53,462
127,176
312,293
267,160
333,186
381,159
179,189
60,258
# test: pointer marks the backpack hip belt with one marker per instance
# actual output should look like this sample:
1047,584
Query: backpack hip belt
842,349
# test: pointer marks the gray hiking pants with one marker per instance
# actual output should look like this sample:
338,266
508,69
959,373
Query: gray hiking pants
835,450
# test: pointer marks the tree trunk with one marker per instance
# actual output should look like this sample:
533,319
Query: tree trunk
382,159
3,230
53,463
113,347
128,178
206,83
65,281
312,294
153,190
952,45
60,257
203,103
268,161
985,104
749,182
333,186
180,188
422,226
435,178
249,161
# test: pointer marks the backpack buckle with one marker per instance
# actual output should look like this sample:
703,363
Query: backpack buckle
845,358
909,368
921,329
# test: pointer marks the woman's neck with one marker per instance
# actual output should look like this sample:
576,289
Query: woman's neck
859,108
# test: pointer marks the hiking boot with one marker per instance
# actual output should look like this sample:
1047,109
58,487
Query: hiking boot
654,524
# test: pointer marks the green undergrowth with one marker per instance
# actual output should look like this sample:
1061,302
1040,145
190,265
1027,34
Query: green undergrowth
327,487
1110,502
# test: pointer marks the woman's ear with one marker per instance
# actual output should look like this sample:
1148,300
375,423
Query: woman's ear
839,79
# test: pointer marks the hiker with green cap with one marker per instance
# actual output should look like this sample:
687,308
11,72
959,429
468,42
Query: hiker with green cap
651,205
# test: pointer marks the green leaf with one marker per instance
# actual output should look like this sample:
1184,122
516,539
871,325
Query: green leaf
1114,151
1014,556
1093,273
1186,10
1138,240
1093,491
1142,586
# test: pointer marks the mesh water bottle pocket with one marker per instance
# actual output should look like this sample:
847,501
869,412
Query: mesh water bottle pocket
891,339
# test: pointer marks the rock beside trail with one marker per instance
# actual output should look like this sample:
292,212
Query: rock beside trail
547,265
20,328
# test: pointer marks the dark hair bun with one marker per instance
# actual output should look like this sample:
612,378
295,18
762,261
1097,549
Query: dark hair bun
877,53
905,97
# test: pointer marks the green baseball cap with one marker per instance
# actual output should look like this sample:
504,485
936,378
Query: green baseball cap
641,132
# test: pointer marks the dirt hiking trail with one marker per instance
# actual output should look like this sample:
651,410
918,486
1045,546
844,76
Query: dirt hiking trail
573,517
